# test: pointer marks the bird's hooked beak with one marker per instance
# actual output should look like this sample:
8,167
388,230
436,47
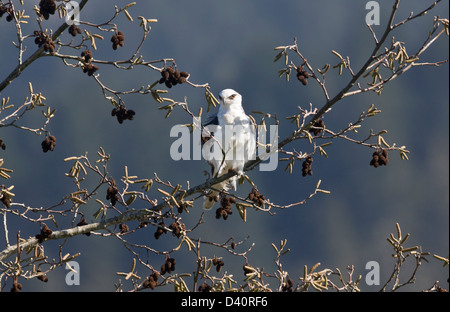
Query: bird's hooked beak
229,97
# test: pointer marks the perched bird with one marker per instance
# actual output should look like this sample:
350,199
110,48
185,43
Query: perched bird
229,142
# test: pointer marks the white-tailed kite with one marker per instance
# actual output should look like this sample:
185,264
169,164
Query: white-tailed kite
231,144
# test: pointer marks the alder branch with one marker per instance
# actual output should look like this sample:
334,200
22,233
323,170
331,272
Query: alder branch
37,54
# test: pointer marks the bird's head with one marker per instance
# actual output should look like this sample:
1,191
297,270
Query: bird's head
229,97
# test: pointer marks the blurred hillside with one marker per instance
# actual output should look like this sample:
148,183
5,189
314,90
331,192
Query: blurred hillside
229,44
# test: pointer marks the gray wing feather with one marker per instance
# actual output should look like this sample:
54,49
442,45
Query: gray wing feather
211,119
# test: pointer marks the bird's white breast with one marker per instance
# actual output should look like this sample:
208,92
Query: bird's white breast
230,115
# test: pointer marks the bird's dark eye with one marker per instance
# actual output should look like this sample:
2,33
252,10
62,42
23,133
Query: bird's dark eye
232,96
220,98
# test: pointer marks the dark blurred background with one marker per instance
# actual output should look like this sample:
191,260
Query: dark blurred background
229,44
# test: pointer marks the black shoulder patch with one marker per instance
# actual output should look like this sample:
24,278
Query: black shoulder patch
211,121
